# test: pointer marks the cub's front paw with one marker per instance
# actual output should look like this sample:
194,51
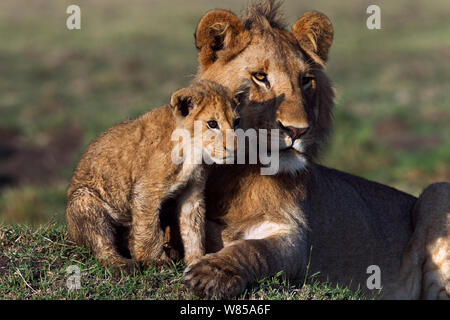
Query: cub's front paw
214,277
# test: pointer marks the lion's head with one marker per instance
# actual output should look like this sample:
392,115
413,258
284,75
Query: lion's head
292,92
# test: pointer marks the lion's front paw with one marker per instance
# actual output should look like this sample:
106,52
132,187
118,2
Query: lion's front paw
212,276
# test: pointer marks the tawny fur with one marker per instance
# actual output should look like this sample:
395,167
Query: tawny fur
125,175
335,223
425,268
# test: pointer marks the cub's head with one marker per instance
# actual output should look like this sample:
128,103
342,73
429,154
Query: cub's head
206,111
291,91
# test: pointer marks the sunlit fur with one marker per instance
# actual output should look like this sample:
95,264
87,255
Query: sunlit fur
283,101
127,173
333,223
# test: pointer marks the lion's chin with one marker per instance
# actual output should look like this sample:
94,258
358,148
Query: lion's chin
291,161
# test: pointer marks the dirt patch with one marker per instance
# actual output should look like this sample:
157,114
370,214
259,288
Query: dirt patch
4,265
416,176
24,164
396,134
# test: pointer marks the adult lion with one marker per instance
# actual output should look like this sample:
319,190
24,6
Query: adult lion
306,215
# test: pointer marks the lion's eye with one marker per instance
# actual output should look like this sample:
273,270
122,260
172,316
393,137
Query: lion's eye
212,124
260,76
306,82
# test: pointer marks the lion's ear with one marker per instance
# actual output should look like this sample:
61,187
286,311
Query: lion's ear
184,101
314,33
220,34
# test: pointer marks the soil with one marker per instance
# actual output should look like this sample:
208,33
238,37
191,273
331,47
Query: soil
21,163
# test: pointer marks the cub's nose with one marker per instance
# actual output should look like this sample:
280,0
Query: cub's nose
294,132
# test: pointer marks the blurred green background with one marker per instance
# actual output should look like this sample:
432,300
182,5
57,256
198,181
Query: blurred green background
59,88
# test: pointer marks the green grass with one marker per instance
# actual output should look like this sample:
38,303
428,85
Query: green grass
34,262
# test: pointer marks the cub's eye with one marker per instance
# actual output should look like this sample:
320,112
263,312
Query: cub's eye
260,76
306,81
212,124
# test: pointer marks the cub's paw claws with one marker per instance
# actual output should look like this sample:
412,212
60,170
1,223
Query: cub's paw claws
213,277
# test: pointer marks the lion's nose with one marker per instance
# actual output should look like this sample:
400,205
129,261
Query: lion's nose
294,132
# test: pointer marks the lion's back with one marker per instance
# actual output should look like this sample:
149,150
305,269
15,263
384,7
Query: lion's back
356,223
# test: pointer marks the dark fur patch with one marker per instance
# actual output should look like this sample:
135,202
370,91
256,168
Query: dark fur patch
268,11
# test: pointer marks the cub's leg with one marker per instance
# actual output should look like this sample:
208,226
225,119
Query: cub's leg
192,222
146,236
425,268
89,223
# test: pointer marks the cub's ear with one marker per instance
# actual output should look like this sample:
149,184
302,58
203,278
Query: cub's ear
184,101
314,33
241,93
220,34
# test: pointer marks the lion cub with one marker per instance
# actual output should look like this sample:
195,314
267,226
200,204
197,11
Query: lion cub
127,172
